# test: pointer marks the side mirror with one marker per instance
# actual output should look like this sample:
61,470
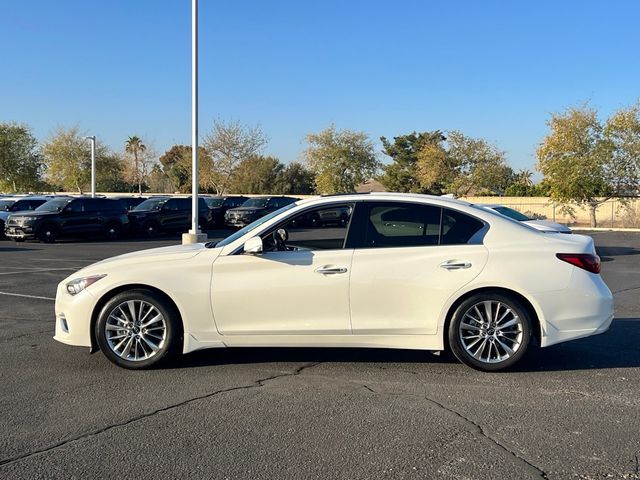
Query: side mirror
253,246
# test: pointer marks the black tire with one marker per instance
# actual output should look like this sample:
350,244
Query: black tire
151,229
494,340
113,231
169,347
48,233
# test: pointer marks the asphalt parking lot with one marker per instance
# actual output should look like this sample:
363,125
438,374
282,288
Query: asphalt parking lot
569,411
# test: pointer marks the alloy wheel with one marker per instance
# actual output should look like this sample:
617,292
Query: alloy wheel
135,330
491,331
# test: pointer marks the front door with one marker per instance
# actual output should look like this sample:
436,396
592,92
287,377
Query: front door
296,288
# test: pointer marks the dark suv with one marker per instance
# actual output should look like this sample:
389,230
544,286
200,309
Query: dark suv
158,215
254,208
220,205
69,217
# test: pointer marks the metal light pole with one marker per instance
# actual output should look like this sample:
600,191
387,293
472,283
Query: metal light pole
93,164
194,234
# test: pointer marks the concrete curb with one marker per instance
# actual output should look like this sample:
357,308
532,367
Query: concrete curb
604,229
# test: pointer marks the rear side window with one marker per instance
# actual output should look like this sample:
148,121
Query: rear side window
402,225
459,228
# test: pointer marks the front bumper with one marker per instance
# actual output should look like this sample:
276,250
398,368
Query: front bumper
24,232
73,316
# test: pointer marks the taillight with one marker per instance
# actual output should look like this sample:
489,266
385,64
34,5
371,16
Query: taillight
586,261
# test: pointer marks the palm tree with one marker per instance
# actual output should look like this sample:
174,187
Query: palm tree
135,146
524,177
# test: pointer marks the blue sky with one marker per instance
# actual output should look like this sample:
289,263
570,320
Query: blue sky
492,69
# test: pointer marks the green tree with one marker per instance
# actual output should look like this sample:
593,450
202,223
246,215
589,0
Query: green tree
228,144
159,182
401,174
67,155
176,164
256,174
136,148
110,173
574,159
294,179
462,165
21,164
340,160
622,141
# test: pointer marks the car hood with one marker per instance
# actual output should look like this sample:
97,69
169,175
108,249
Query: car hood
31,213
246,209
547,226
162,254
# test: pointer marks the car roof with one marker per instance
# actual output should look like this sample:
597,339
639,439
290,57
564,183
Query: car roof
386,196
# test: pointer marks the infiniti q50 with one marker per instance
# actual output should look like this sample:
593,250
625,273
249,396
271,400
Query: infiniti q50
402,271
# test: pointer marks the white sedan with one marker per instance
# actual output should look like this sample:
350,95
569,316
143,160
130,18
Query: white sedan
404,271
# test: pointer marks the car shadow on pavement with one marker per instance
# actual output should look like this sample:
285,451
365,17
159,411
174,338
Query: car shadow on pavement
607,253
17,249
615,349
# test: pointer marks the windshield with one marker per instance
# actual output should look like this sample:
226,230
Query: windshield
232,238
214,202
53,205
5,204
150,204
256,202
511,213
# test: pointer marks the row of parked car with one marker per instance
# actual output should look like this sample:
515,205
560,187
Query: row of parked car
50,217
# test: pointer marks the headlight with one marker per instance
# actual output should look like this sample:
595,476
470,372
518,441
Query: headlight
76,286
26,219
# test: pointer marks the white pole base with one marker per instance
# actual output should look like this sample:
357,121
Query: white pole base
189,238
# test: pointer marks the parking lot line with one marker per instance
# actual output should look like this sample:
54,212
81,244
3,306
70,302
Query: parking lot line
9,294
40,270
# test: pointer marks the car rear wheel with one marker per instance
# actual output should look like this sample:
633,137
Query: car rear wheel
151,229
113,231
138,329
490,332
48,233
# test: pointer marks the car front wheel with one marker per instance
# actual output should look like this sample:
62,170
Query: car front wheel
490,332
138,329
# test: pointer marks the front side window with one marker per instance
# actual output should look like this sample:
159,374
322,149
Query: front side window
76,206
323,228
150,204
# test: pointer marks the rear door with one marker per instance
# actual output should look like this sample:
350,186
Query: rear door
410,259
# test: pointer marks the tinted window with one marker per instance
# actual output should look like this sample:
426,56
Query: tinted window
76,206
26,205
53,205
93,205
511,213
171,205
258,202
459,228
319,229
151,204
397,224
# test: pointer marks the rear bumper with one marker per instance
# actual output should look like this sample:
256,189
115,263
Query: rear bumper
585,308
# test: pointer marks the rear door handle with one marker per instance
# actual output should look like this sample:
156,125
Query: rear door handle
455,265
329,270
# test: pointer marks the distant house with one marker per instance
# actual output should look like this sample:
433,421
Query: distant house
370,185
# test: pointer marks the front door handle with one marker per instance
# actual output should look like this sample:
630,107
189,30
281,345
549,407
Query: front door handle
455,265
329,270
